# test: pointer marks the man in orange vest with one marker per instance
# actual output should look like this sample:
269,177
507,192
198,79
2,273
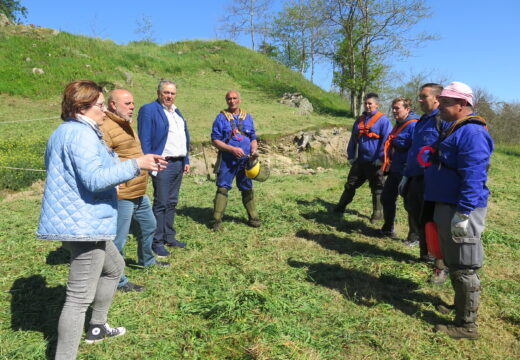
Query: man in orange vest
365,154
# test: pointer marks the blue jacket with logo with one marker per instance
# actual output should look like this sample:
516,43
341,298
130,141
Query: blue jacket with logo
365,149
460,177
425,133
80,201
401,144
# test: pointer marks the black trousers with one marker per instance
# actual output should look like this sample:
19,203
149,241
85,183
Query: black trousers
358,175
389,199
414,204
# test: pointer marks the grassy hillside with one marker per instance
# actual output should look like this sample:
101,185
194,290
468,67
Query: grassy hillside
306,285
204,71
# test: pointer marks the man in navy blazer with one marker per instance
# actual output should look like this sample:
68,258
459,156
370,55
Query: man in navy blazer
163,130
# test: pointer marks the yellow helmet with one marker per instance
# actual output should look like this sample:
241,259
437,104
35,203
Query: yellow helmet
257,171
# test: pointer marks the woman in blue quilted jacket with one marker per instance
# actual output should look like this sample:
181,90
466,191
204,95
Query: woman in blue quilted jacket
79,208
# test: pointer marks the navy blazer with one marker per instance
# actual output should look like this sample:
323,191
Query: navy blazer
153,126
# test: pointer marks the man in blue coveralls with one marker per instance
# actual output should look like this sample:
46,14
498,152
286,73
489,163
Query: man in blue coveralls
426,132
456,183
234,136
365,154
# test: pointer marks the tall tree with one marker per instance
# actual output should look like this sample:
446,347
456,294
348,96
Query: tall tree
13,10
246,16
370,31
410,84
300,31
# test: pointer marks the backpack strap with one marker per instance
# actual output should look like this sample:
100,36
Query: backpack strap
365,130
242,115
472,119
388,143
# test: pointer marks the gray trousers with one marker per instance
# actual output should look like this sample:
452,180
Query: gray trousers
463,256
95,270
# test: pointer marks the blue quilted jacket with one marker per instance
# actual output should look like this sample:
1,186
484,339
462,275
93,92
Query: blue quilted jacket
79,200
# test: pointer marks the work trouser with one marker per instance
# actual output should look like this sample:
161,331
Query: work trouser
357,176
463,256
413,203
389,199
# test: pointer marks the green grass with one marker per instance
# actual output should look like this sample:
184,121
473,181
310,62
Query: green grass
306,285
203,70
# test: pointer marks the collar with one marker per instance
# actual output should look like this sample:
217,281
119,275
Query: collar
370,114
433,113
88,121
174,108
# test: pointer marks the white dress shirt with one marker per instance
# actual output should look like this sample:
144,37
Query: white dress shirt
176,140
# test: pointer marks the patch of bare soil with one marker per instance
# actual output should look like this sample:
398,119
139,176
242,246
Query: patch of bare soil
35,191
290,154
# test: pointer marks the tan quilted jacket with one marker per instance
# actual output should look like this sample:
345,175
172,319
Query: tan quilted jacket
119,135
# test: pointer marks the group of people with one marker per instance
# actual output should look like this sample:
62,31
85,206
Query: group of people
439,164
98,169
95,192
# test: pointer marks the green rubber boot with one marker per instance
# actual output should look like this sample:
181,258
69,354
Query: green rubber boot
377,208
248,199
219,203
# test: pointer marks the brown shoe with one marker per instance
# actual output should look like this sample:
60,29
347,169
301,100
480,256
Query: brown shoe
458,332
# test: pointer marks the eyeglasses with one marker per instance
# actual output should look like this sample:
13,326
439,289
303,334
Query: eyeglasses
101,105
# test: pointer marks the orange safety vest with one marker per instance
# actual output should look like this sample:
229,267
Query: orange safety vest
365,130
388,143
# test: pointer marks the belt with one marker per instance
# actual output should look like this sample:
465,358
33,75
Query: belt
174,158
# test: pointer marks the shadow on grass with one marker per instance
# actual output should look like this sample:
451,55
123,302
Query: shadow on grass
367,290
329,217
58,257
204,216
329,207
36,307
353,248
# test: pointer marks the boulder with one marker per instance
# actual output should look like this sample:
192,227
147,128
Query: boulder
38,71
298,101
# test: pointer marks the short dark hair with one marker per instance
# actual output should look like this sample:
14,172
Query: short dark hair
79,95
436,88
372,95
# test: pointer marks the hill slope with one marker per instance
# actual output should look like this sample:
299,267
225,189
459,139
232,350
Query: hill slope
203,70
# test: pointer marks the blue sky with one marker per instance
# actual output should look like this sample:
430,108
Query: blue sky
478,39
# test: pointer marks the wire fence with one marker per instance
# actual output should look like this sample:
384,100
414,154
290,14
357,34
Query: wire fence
28,120
25,169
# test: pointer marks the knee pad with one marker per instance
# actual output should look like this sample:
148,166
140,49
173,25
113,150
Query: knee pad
222,191
467,282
